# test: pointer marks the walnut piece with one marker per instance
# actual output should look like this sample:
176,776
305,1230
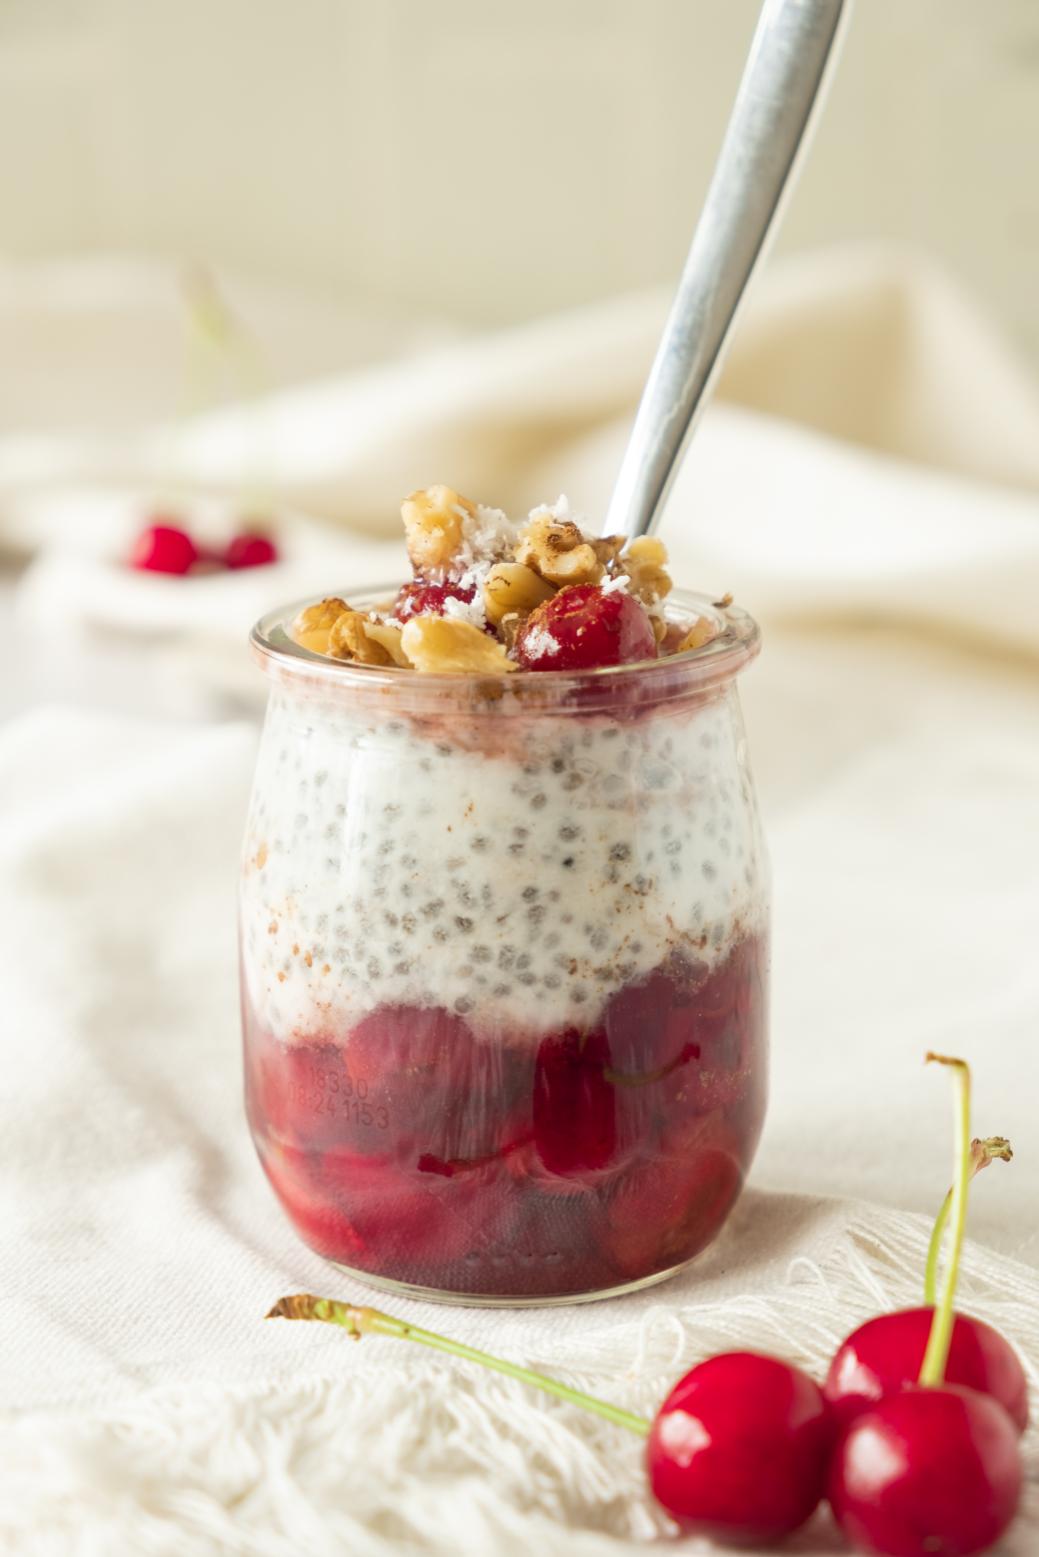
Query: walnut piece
349,640
557,550
387,635
645,563
509,626
512,587
608,549
444,643
433,526
314,623
701,632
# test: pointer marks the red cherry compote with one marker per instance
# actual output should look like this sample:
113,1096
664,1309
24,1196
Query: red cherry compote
412,1149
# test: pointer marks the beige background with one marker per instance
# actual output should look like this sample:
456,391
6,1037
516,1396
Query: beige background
492,159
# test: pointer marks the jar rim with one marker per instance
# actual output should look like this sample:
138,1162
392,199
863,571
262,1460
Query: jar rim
737,642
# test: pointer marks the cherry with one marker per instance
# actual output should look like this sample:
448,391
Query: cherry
926,1471
400,1218
250,549
574,1105
582,627
163,547
420,598
434,1091
885,1355
685,1042
670,1207
739,1449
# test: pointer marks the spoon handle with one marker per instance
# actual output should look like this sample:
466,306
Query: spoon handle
781,81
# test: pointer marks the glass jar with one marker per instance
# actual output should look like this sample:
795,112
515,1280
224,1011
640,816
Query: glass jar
504,966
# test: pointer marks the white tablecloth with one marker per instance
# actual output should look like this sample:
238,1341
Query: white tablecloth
889,540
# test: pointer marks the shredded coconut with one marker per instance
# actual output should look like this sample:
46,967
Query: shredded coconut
540,641
560,511
611,586
487,536
467,610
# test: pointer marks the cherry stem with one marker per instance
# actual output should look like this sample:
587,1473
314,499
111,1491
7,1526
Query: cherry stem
981,1154
370,1321
932,1371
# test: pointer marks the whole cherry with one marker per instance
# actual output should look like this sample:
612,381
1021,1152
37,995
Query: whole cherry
927,1471
584,627
739,1449
885,1355
163,547
249,549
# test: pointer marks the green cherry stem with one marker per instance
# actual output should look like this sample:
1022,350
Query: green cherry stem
932,1371
981,1154
370,1321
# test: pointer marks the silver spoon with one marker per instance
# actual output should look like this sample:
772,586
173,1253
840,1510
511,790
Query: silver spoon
781,82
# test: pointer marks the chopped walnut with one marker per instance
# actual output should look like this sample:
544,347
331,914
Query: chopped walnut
608,549
350,640
557,550
433,526
701,632
314,623
513,588
387,635
645,563
509,626
444,643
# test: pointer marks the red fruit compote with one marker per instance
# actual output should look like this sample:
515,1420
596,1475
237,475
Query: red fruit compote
504,929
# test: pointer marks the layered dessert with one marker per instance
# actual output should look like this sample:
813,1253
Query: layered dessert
504,915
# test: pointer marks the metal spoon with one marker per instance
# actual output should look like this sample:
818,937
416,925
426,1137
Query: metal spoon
781,82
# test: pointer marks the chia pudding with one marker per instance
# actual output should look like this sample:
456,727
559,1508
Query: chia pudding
504,936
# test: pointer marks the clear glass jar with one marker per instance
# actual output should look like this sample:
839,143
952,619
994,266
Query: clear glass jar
504,966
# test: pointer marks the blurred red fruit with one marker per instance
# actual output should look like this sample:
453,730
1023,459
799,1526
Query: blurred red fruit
163,548
250,550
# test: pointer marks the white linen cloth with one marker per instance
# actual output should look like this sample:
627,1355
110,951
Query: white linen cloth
890,542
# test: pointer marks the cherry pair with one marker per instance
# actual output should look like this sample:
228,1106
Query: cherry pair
913,1438
165,547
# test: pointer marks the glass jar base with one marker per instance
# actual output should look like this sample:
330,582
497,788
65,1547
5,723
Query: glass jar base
493,1300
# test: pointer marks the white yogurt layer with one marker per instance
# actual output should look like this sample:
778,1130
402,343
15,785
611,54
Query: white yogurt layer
384,867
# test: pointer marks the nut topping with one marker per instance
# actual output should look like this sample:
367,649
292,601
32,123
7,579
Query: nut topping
314,623
513,588
557,550
481,587
443,643
433,526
